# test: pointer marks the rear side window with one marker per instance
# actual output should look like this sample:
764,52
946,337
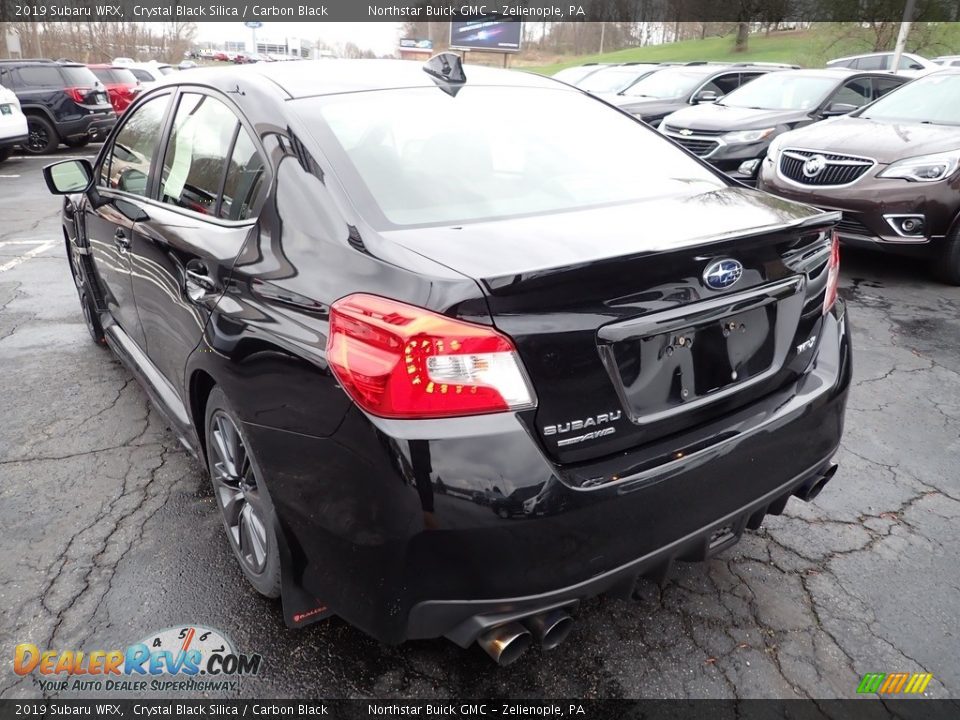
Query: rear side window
723,84
874,62
126,165
197,153
881,86
40,76
244,178
855,92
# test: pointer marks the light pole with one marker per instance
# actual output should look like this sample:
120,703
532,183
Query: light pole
902,36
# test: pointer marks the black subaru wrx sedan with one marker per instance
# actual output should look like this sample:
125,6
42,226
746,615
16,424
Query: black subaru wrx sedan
451,371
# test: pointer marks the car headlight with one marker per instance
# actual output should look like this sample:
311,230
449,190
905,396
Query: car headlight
924,168
748,136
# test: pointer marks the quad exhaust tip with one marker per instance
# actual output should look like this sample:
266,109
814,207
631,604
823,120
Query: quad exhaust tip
505,643
550,628
810,491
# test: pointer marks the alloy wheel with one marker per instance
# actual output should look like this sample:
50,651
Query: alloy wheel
38,138
238,494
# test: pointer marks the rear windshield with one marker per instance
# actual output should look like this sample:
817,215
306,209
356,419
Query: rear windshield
115,75
932,99
425,157
612,80
165,69
77,76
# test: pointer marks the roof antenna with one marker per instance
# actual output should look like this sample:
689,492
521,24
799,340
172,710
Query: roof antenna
446,69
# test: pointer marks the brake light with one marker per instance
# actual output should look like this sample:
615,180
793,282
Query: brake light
400,361
78,93
833,274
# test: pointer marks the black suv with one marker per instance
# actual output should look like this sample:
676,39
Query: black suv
668,90
64,103
734,132
625,355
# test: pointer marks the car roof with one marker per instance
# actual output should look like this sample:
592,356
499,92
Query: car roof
329,77
871,54
843,72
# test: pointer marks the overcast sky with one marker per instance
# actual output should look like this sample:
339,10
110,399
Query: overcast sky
381,37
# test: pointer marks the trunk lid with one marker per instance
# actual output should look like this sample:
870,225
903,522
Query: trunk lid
622,337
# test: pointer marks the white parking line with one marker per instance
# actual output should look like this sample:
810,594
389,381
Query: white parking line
26,256
9,176
54,157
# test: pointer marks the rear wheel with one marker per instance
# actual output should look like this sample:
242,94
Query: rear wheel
947,267
242,498
42,137
77,142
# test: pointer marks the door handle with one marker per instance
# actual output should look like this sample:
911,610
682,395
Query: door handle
200,280
121,240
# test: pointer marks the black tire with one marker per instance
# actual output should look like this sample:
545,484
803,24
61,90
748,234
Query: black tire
947,267
243,501
91,315
5,153
42,136
77,142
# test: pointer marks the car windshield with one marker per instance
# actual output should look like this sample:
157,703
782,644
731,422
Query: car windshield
612,80
667,84
427,157
932,99
781,91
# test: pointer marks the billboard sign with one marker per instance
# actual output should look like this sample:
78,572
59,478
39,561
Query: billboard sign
491,35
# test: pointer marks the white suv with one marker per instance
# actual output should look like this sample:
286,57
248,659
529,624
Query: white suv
910,64
13,123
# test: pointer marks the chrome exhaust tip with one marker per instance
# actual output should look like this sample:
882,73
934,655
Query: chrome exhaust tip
814,488
550,628
505,643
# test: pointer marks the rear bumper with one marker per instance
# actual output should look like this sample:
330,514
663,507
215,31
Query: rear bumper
6,142
95,127
415,530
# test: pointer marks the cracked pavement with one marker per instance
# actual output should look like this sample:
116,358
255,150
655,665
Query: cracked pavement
110,531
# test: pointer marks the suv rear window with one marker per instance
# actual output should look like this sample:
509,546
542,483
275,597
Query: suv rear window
78,76
115,75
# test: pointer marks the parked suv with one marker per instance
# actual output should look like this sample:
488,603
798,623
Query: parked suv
891,168
910,64
734,132
13,124
121,84
672,88
64,102
640,356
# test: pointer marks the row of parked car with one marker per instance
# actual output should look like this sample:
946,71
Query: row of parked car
45,102
880,146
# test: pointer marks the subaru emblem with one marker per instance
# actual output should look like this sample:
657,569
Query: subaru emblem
722,274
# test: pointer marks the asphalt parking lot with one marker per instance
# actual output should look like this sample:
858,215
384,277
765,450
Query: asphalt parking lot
110,530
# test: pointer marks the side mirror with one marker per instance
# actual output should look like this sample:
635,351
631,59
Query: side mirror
834,109
705,96
68,176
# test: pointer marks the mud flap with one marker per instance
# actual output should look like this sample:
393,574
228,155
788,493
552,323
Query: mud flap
300,608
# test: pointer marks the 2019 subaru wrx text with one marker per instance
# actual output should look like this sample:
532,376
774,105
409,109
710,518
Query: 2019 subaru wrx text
450,372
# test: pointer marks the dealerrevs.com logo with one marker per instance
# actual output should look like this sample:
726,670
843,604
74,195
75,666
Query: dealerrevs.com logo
189,658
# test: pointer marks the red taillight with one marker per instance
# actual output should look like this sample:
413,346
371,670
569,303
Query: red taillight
400,361
79,94
833,274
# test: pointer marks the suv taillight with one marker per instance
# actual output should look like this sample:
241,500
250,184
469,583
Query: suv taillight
79,94
833,274
400,361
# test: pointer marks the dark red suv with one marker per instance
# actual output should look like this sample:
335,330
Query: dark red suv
121,84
